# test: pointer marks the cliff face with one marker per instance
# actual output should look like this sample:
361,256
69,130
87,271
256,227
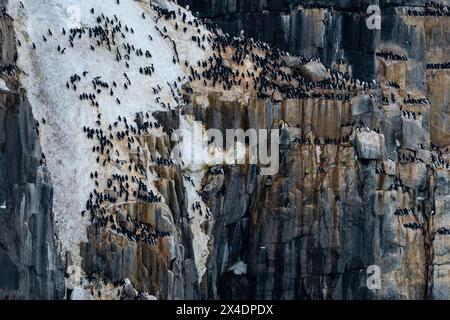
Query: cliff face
29,260
336,32
307,234
117,89
124,231
314,235
331,30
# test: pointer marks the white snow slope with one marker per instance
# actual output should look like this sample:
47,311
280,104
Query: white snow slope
46,72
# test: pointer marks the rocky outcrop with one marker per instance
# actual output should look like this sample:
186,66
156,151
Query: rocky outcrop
314,71
370,146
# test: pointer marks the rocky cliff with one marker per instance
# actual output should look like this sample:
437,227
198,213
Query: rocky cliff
99,105
338,223
30,267
336,32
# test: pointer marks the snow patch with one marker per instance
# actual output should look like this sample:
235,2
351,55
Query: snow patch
238,268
